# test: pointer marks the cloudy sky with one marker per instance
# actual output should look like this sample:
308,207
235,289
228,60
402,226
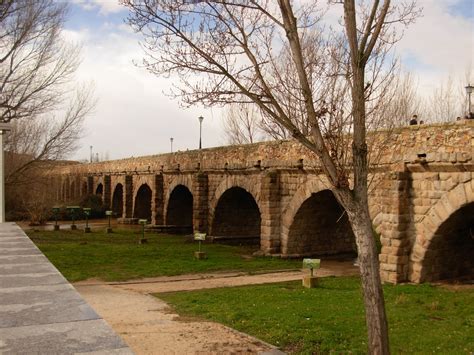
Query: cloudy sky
134,117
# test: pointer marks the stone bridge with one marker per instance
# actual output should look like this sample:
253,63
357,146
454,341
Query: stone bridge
421,198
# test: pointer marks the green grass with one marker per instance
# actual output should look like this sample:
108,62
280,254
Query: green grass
118,256
422,318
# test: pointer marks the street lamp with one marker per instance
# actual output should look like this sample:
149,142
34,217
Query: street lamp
91,152
469,89
200,118
171,141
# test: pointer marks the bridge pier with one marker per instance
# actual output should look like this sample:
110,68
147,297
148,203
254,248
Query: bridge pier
158,205
270,227
107,196
200,203
128,200
90,185
397,226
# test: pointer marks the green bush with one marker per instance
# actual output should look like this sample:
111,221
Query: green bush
94,202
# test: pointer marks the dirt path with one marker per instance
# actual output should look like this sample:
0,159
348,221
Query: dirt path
149,327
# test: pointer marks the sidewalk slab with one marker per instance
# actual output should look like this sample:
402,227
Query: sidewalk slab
40,311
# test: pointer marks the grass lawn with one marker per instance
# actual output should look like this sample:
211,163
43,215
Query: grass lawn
118,256
422,318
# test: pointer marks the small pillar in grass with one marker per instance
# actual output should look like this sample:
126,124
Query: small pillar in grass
87,212
142,240
200,237
109,216
311,281
55,214
72,211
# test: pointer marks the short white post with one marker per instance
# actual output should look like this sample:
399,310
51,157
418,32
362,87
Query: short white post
4,128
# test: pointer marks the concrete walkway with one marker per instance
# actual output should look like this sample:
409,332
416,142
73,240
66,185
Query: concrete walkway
40,312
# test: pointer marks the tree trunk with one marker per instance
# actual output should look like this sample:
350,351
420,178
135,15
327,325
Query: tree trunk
375,315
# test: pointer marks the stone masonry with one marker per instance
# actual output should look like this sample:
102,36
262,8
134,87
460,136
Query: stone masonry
421,197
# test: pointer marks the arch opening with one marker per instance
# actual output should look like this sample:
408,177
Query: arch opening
237,218
180,208
100,189
117,201
142,208
321,227
450,254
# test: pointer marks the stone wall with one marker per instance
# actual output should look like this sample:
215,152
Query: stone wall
423,178
440,143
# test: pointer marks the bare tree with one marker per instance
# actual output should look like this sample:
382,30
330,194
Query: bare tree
226,51
36,95
446,101
34,62
37,143
242,122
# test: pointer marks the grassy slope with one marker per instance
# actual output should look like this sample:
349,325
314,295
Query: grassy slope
422,318
118,256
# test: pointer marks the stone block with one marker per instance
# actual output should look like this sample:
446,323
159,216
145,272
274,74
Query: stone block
310,281
457,197
200,255
421,210
418,253
392,278
388,267
469,190
384,275
398,242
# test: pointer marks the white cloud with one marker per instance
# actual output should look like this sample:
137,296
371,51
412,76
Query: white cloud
104,6
439,43
133,116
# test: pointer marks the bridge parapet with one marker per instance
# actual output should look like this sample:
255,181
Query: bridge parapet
439,143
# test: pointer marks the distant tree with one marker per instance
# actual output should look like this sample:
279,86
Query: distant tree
242,122
227,51
446,101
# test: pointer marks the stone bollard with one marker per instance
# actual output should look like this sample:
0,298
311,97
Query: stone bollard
310,281
200,255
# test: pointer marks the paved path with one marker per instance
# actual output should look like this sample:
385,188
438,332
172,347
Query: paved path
40,312
149,326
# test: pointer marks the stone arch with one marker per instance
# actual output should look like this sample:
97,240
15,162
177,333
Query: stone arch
184,180
289,212
142,205
99,189
318,225
249,183
118,200
444,245
179,211
237,217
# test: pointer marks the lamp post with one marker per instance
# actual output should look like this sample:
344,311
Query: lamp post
200,118
4,128
469,88
171,141
91,153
